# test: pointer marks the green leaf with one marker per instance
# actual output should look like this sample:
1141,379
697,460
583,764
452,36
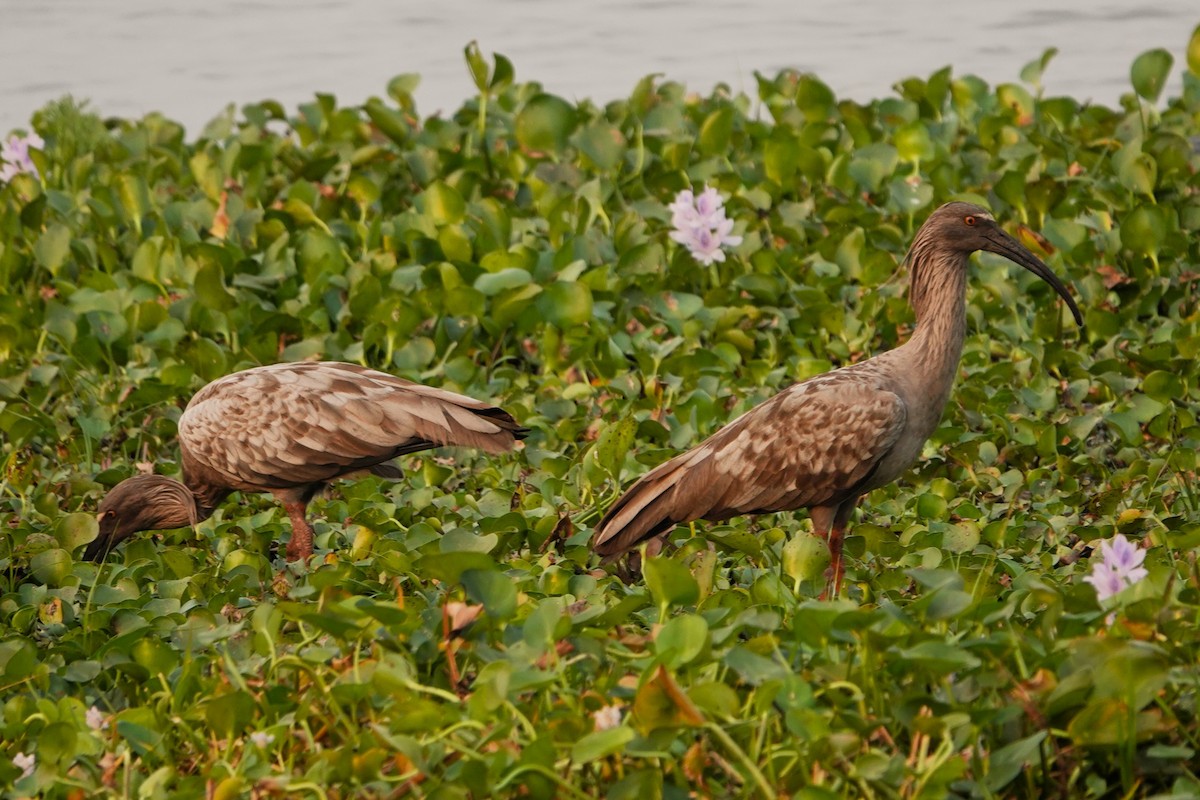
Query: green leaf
939,657
1032,72
494,590
566,304
229,714
503,74
442,203
603,144
1144,230
1149,73
544,123
961,537
598,744
476,65
614,443
913,142
1010,761
1193,52
391,122
57,743
75,530
51,567
716,132
449,567
401,88
210,288
753,668
1164,386
805,556
53,246
670,582
492,283
681,640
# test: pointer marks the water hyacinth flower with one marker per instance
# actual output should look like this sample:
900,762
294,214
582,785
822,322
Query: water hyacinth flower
700,225
1120,566
262,739
607,717
27,763
14,156
95,719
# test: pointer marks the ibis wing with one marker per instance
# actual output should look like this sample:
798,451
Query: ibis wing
811,444
309,422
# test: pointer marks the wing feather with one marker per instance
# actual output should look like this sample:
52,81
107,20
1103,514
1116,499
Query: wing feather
290,425
810,444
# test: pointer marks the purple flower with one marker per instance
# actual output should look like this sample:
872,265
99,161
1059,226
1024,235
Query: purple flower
701,226
1120,566
14,154
95,719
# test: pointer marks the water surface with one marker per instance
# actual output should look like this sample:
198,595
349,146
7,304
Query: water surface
189,59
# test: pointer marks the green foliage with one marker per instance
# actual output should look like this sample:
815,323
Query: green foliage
454,637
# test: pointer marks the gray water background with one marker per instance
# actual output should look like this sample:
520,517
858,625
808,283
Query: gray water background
190,59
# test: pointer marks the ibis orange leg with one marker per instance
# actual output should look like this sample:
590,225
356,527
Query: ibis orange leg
301,544
830,524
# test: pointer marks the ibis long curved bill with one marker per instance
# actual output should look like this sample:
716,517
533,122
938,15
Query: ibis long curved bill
997,241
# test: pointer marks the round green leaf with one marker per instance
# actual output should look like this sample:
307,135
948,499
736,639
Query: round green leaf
681,639
1144,230
51,567
442,203
75,530
229,714
670,582
566,304
1162,385
544,124
154,654
1149,73
805,556
494,590
1193,52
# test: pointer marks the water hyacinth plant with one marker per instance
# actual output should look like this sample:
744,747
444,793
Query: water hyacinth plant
455,635
700,225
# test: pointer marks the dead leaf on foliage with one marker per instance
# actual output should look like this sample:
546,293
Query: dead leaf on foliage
460,615
1112,277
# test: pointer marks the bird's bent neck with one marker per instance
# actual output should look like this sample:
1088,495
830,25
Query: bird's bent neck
205,486
938,296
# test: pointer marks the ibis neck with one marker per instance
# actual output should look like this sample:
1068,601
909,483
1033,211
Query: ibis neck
939,296
207,492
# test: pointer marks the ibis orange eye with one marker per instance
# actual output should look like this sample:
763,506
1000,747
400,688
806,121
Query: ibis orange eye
969,219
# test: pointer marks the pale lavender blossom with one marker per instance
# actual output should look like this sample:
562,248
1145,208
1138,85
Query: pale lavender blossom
607,717
26,763
701,226
1120,566
262,739
14,154
95,719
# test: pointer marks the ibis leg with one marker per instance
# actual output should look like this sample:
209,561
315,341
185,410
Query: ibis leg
830,523
301,544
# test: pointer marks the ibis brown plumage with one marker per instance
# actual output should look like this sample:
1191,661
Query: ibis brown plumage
289,429
823,443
